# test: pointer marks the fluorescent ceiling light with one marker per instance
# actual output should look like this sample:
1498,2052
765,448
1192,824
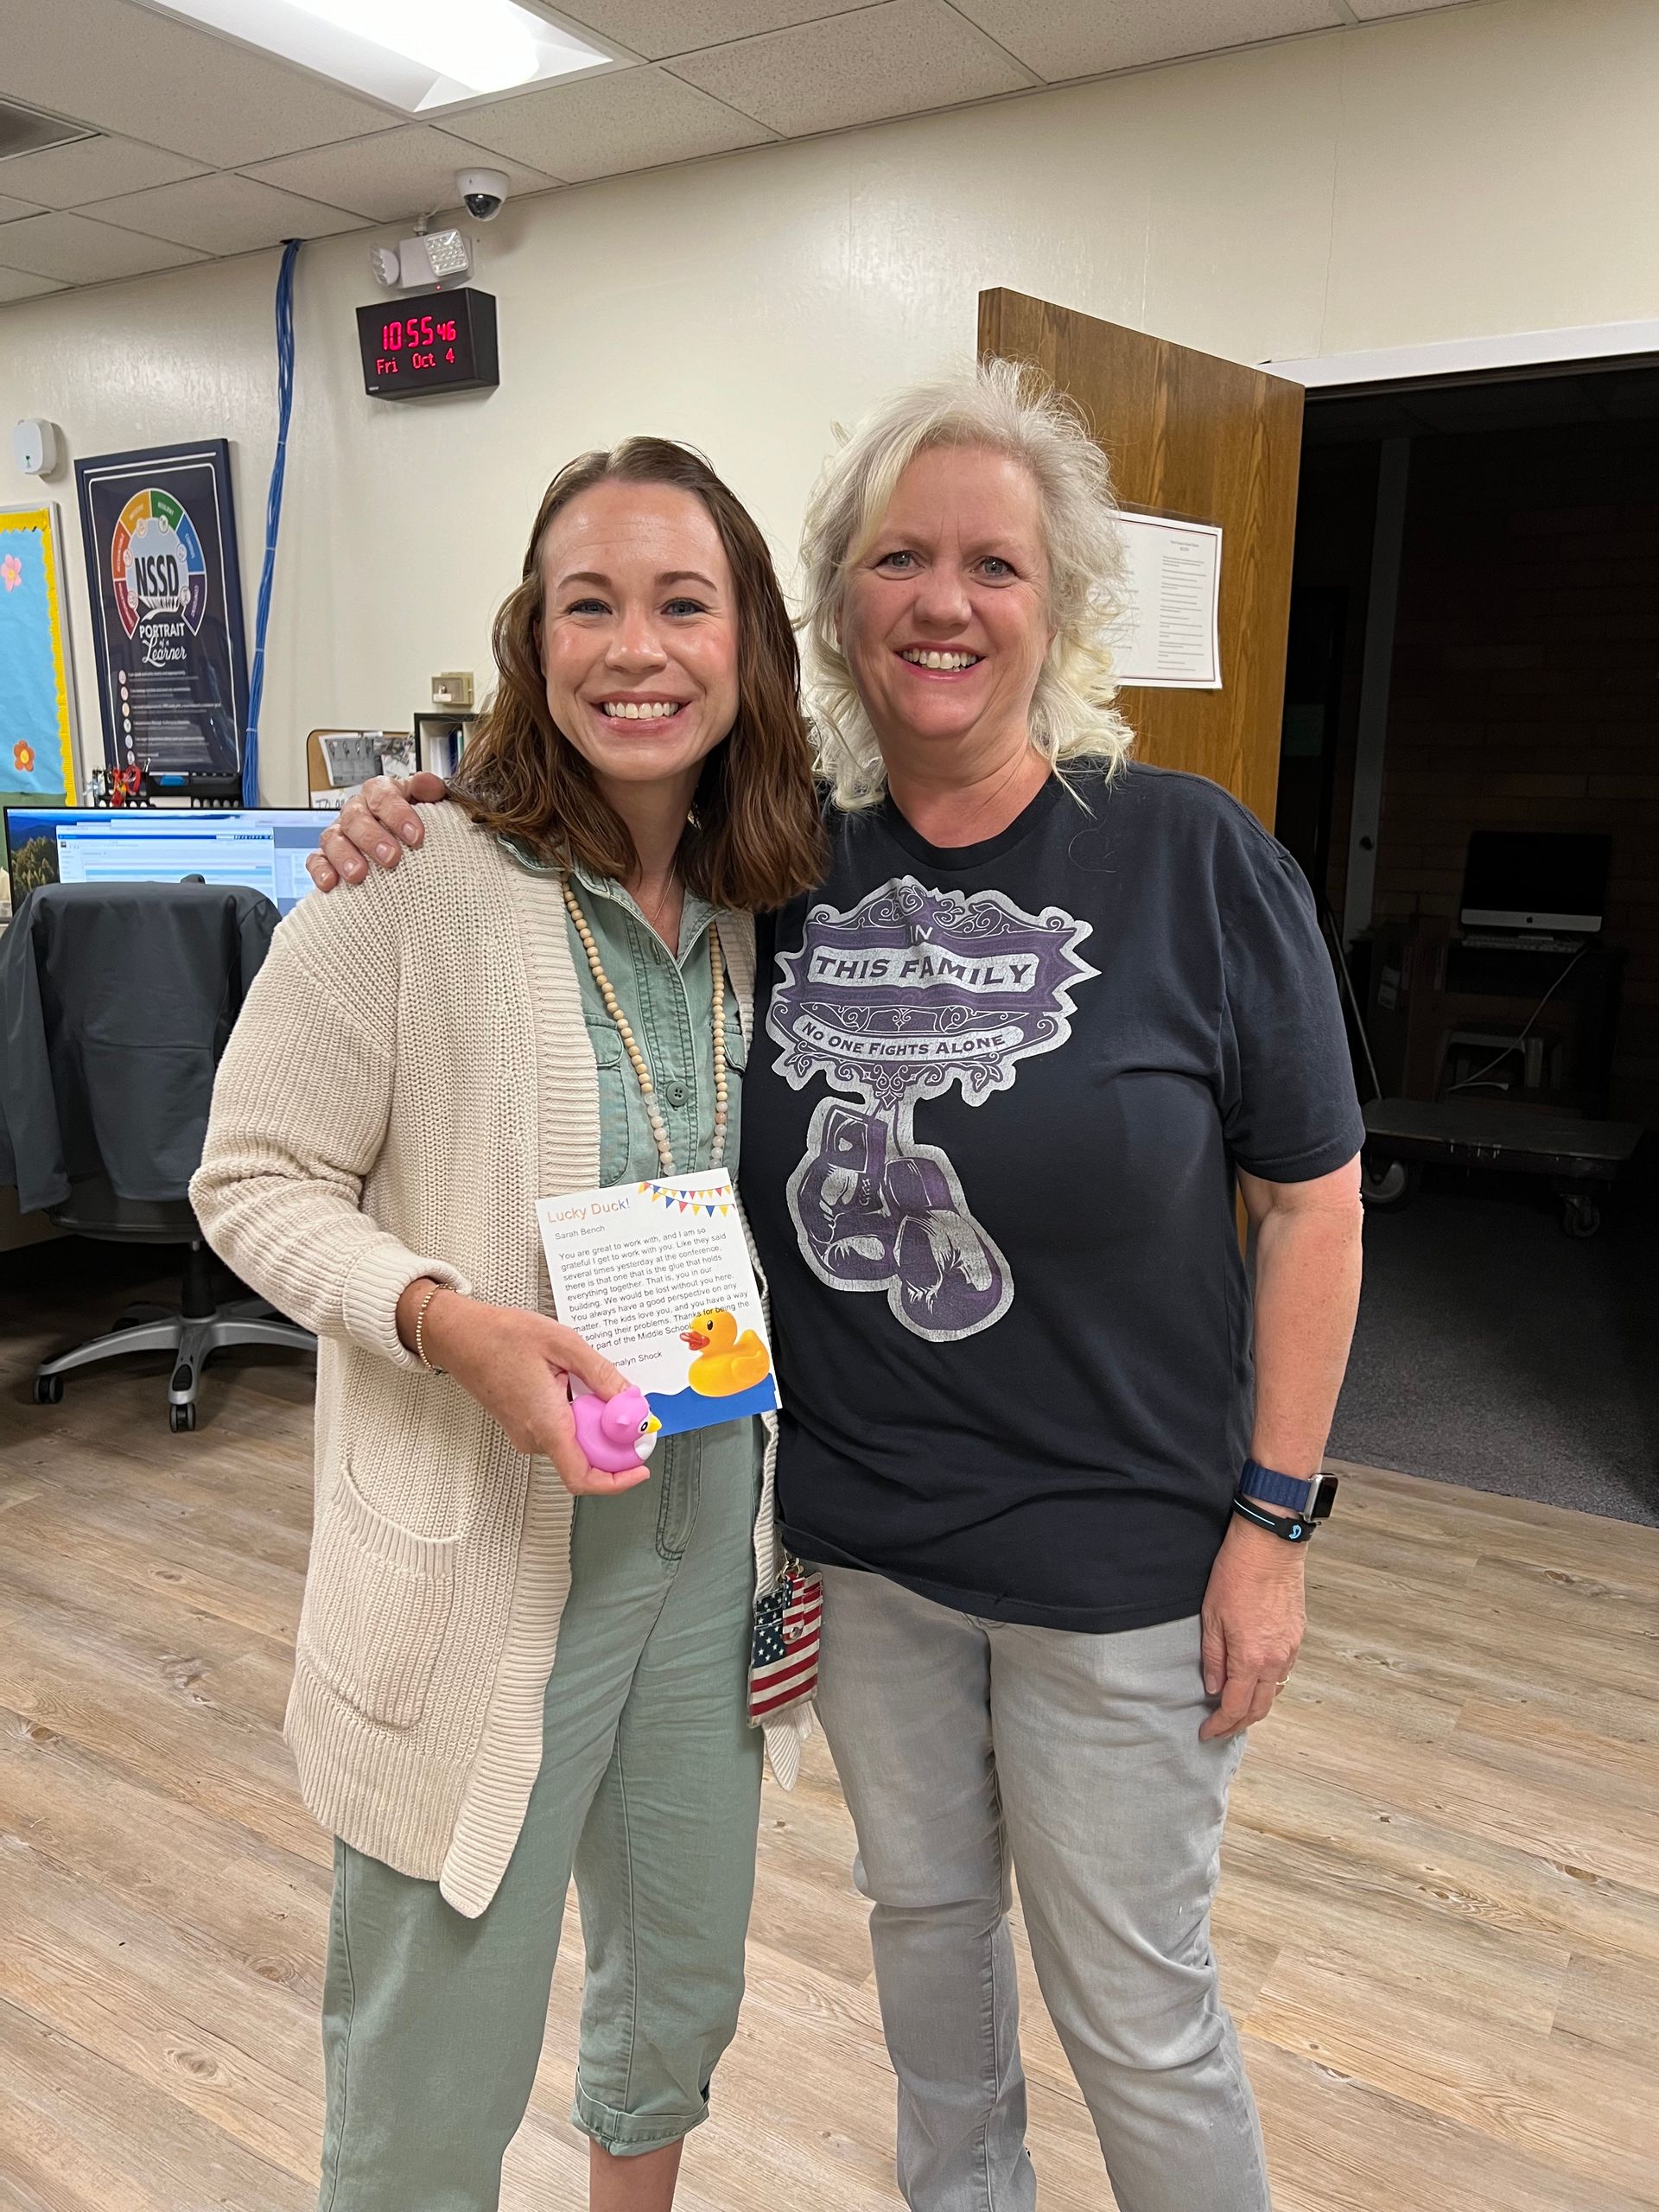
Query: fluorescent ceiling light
417,54
486,48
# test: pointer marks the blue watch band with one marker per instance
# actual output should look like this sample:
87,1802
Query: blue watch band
1296,1491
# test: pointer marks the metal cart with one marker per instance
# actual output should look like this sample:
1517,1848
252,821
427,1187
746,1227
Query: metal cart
1582,1159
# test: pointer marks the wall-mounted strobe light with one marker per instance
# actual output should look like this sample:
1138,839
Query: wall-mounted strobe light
431,257
447,254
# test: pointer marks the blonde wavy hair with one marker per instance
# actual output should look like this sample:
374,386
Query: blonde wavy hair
1005,407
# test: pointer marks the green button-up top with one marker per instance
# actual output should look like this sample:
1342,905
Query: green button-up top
668,998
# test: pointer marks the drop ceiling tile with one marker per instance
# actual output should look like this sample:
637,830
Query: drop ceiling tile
1081,38
899,59
14,285
127,69
222,214
84,252
599,126
659,28
394,174
93,169
9,209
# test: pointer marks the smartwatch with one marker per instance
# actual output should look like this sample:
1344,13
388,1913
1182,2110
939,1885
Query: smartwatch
1309,1498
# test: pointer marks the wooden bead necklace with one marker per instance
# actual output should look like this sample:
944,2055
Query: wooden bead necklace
637,1059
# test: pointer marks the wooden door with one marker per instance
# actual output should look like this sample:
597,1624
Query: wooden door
1208,440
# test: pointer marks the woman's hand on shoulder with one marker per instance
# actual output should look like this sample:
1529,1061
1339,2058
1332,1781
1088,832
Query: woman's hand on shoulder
375,825
518,1366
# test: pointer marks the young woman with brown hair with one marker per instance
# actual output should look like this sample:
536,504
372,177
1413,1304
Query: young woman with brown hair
509,1665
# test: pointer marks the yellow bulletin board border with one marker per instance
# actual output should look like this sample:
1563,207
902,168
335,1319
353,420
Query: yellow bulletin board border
45,519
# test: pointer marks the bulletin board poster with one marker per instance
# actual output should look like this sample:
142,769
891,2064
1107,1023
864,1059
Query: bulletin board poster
37,730
159,531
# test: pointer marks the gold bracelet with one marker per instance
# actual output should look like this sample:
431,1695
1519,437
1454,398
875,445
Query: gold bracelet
419,1321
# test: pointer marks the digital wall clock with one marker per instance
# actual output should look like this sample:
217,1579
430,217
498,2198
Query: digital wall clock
431,341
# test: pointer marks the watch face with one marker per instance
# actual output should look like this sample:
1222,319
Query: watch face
1324,1497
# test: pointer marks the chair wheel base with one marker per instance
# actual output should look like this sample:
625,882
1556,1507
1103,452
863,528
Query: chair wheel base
190,1341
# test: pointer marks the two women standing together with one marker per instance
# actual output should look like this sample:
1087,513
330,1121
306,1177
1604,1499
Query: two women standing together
1023,1017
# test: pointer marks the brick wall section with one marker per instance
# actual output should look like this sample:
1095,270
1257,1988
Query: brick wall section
1526,681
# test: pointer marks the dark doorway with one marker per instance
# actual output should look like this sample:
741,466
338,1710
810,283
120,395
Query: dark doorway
1500,682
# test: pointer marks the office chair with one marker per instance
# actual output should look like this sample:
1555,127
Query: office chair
116,1001
203,1324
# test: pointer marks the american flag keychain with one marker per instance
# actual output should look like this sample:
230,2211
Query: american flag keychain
783,1659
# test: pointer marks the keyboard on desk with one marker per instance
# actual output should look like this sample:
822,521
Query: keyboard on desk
1520,941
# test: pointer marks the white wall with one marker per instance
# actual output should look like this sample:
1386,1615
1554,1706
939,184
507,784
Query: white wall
1490,169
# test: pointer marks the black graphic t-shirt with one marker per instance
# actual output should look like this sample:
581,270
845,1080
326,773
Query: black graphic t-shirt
995,1101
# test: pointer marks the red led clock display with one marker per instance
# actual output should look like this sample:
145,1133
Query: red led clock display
436,341
423,336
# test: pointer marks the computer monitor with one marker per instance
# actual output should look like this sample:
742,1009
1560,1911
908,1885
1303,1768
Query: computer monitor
1536,880
263,847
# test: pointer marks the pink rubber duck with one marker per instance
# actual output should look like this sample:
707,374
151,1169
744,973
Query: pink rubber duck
616,1434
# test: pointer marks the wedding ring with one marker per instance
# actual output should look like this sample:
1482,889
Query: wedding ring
1281,1682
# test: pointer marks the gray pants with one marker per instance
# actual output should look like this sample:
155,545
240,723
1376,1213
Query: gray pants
965,1747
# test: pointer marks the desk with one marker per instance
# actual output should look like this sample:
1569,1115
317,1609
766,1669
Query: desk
1428,988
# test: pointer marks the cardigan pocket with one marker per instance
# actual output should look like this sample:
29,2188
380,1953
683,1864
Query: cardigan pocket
377,1600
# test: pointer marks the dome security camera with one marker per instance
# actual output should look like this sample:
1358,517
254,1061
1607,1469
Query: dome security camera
482,192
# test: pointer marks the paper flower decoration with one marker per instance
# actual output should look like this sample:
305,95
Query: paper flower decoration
22,754
11,572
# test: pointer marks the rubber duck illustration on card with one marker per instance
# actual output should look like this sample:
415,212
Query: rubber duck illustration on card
724,1362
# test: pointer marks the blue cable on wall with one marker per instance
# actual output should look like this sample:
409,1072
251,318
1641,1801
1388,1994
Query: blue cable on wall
273,516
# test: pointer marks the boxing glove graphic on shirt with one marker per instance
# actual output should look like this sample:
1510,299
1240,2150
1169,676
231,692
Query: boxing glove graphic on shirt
892,1002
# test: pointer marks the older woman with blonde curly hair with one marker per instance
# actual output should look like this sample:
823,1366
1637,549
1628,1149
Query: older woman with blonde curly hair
1049,1009
1055,1451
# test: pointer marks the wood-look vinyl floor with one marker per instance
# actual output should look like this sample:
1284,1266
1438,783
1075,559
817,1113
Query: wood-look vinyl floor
1439,1922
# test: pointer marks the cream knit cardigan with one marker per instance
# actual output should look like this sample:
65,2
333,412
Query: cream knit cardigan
411,1072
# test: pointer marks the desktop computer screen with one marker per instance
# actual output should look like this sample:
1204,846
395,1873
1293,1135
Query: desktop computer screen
1532,880
263,847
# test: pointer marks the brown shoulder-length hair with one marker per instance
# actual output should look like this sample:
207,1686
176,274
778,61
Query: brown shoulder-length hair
754,836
